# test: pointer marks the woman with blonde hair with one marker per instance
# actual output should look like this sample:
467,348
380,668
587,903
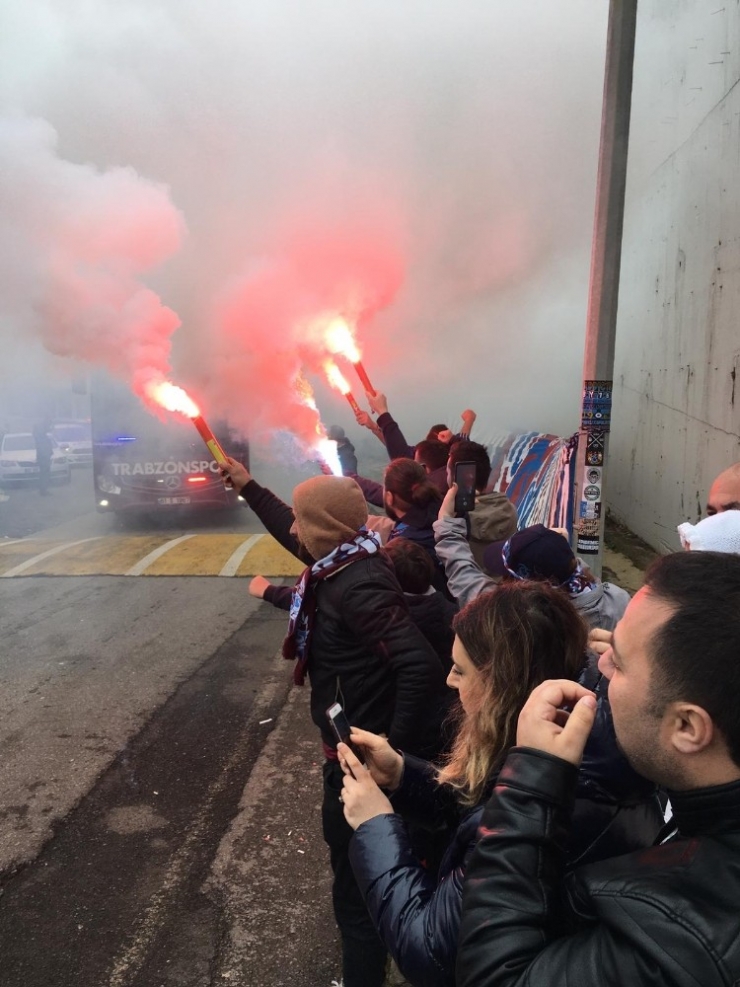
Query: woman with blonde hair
506,643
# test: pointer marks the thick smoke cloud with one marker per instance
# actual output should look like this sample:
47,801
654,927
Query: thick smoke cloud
269,325
75,243
453,147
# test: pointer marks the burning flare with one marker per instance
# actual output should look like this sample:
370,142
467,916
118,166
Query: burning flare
339,382
173,398
340,340
324,447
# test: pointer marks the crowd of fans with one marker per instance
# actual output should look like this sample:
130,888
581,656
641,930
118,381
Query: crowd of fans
542,781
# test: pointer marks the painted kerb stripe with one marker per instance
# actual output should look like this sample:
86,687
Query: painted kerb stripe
29,563
235,559
143,564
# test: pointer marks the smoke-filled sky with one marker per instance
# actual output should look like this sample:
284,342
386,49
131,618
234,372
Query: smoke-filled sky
236,168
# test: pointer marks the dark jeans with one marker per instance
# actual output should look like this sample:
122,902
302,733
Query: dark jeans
363,953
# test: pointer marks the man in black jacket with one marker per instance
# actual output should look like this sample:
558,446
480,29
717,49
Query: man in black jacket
667,915
345,449
359,648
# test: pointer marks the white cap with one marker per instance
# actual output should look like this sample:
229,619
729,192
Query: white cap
718,533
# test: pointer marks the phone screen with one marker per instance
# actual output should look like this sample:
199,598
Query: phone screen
465,480
341,728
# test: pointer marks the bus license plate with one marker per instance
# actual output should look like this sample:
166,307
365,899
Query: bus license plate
173,500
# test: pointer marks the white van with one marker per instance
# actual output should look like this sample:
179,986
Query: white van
75,441
18,459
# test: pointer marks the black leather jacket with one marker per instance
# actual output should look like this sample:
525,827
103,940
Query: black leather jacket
418,913
667,915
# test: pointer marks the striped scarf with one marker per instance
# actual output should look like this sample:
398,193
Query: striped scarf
303,601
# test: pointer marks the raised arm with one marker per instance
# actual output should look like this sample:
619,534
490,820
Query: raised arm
364,419
276,516
395,441
371,490
468,420
465,579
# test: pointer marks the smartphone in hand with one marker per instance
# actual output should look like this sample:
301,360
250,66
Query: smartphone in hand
341,729
465,480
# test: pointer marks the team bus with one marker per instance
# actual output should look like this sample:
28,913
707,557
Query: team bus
143,464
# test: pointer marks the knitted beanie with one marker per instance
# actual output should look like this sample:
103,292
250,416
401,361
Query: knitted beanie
328,511
718,533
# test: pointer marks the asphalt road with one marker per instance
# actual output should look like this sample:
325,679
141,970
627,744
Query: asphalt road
144,745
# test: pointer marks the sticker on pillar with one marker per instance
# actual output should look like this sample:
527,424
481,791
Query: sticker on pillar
592,492
595,449
590,509
593,475
588,537
596,410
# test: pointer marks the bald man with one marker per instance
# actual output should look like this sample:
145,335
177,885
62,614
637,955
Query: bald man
724,494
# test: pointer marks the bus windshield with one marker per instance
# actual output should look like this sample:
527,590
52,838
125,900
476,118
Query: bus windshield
141,462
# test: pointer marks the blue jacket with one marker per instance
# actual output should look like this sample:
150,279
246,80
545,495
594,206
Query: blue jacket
418,913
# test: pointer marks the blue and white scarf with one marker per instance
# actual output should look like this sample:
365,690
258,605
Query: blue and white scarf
303,601
576,583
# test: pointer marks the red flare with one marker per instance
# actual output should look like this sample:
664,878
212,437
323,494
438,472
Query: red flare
210,439
352,403
364,379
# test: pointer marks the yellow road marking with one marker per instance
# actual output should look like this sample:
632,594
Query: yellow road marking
202,555
268,558
193,554
35,559
231,567
151,558
114,555
11,553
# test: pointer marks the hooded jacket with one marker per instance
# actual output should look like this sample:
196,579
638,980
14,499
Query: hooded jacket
365,652
328,510
494,518
431,612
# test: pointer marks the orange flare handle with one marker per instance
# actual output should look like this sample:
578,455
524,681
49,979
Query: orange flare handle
352,403
210,440
364,379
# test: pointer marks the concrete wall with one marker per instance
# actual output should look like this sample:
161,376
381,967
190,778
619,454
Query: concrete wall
676,414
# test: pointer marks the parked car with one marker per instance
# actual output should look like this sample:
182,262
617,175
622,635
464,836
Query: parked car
75,441
18,459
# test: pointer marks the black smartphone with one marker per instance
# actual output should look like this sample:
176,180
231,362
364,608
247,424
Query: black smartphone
341,729
465,480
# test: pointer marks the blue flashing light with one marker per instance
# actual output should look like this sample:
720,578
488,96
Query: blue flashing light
125,438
